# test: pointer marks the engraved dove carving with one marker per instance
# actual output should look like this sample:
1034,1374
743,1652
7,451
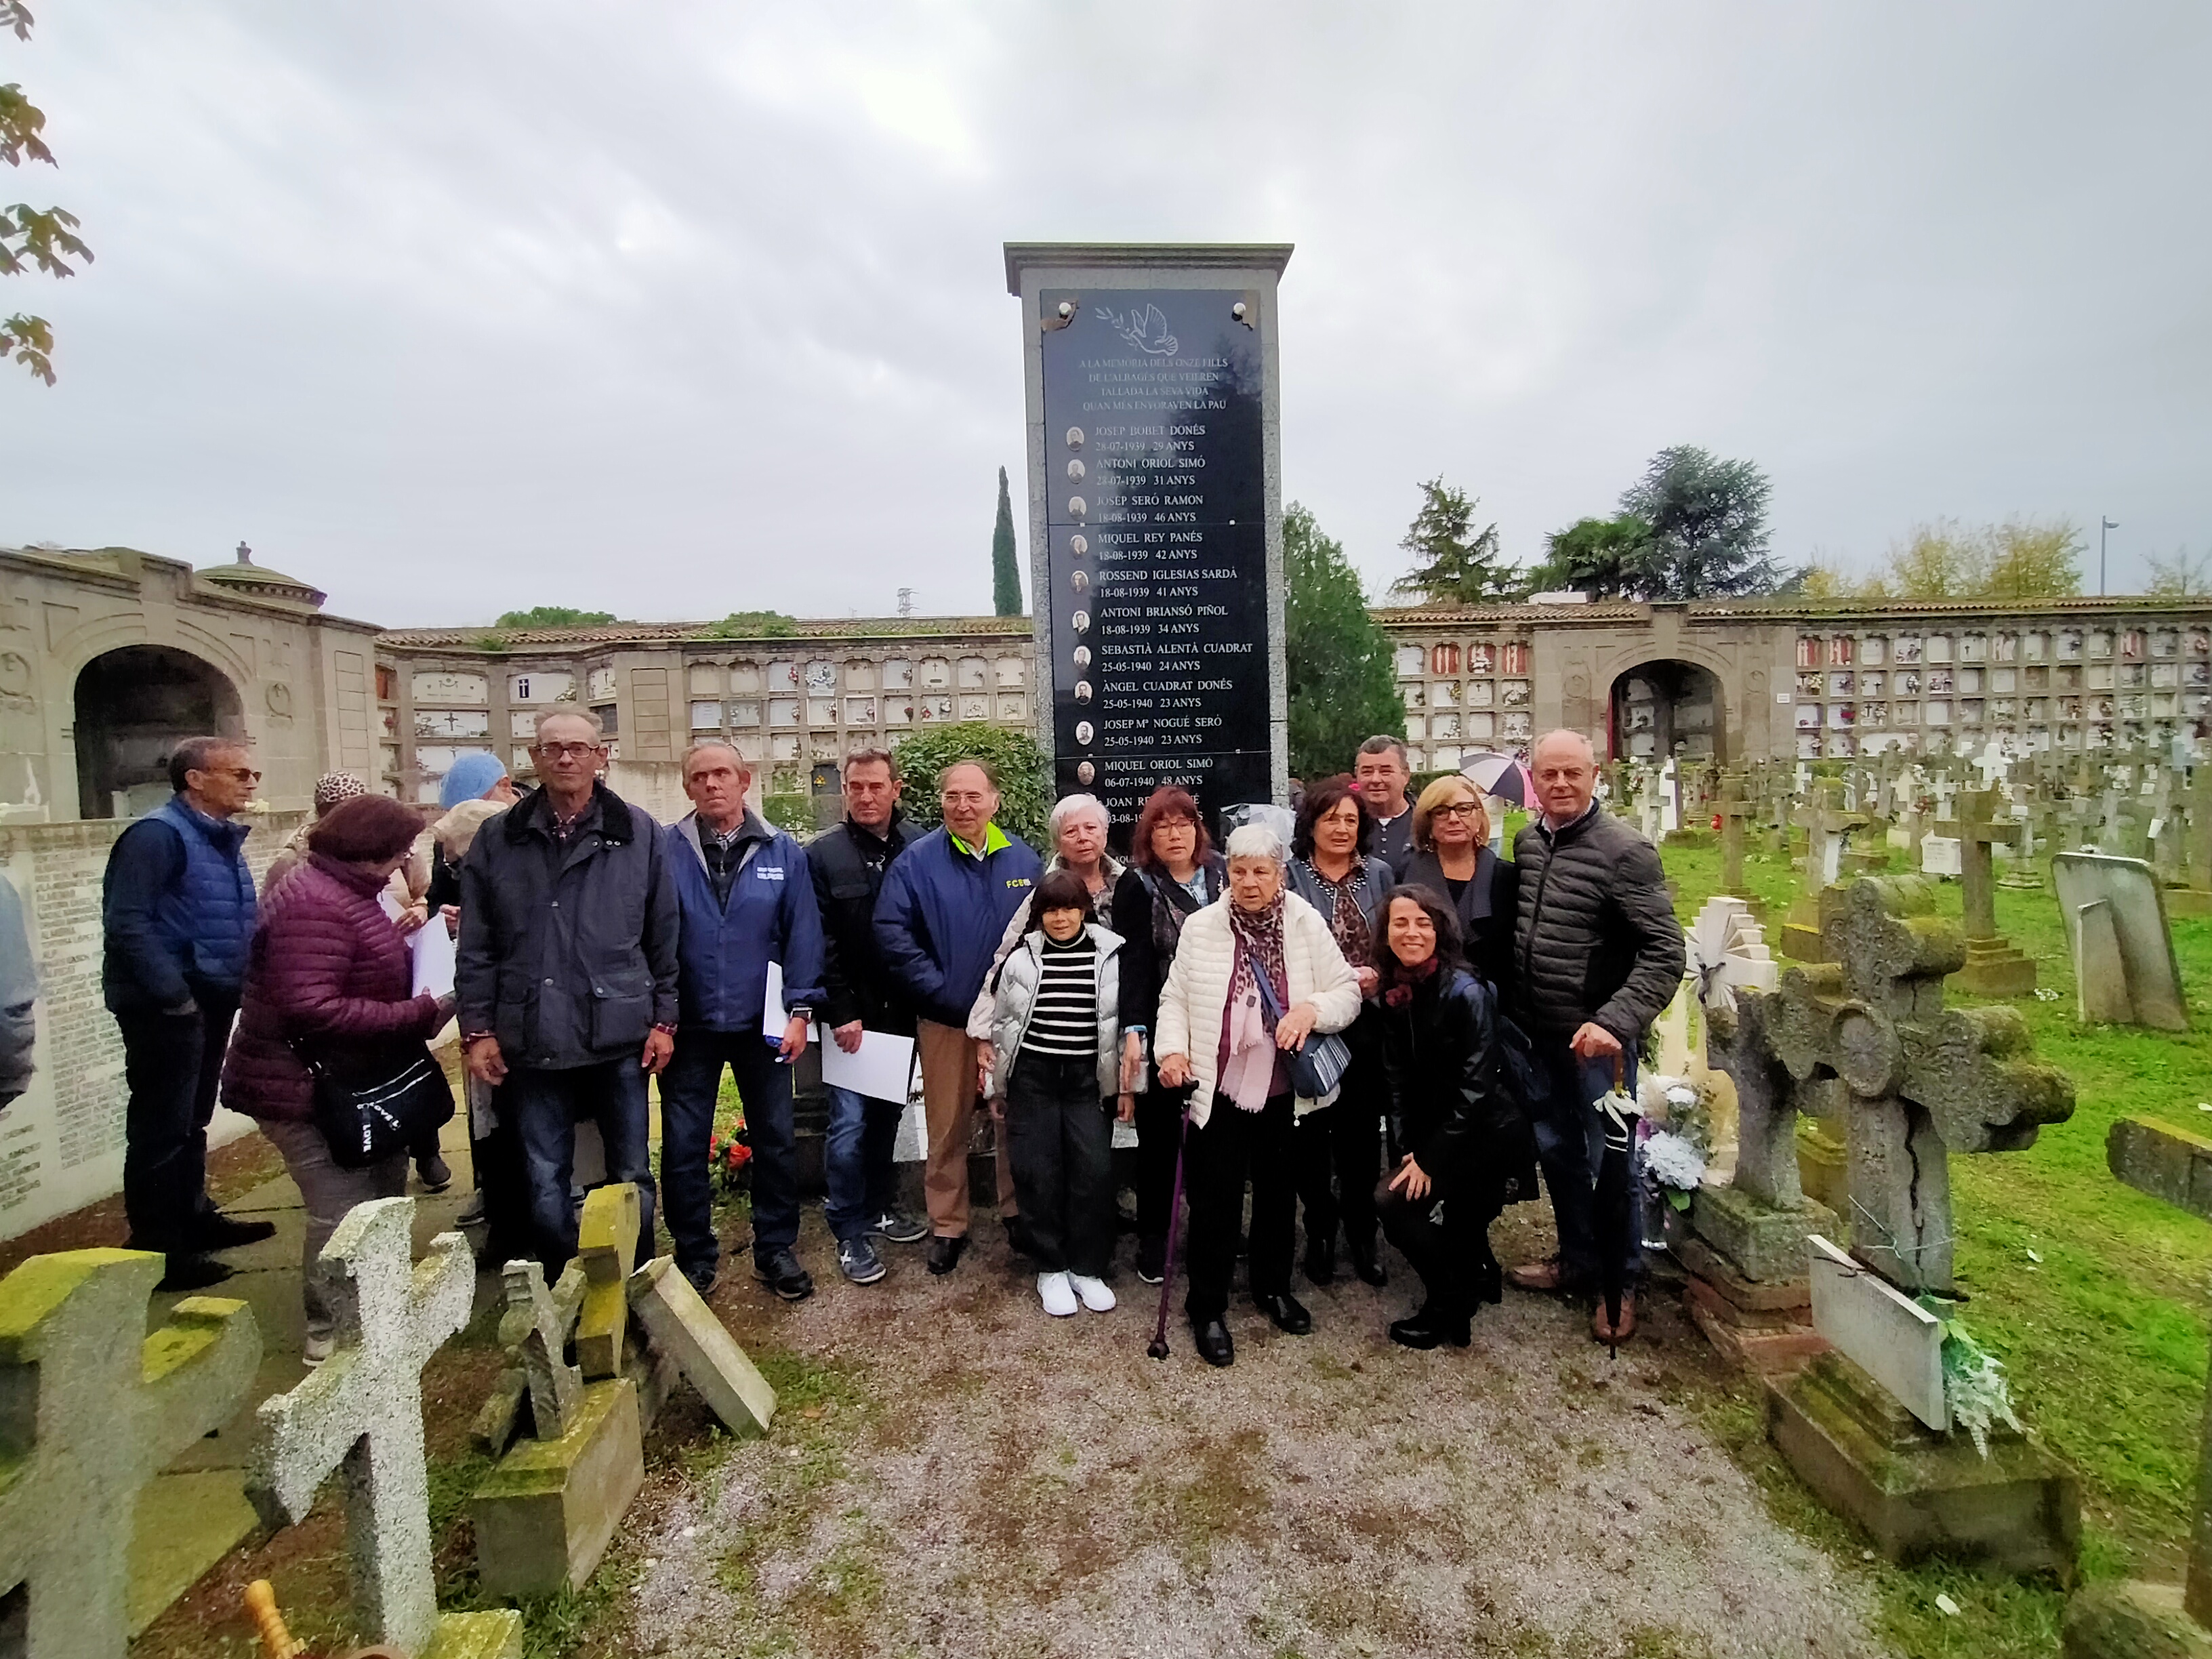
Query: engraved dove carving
1146,329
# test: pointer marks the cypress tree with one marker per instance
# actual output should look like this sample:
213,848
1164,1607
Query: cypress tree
1006,573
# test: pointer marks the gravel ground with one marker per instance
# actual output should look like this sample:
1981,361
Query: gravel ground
955,1473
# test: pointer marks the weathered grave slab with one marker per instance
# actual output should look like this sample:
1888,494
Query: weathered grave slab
2123,961
681,1325
2125,1619
2168,1163
1889,1336
1939,856
606,1245
546,1513
92,1414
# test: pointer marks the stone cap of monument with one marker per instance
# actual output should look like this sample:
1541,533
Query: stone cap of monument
1187,256
244,576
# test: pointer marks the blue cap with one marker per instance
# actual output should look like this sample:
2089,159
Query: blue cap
470,777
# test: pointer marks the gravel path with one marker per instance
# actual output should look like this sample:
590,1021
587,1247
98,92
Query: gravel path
955,1473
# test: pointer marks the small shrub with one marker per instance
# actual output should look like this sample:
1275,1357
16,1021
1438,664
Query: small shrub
1025,782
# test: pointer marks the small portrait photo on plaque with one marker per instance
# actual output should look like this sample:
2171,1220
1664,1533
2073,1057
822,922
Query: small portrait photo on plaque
1082,621
1083,691
1075,472
1078,545
1086,774
1077,506
1083,656
1084,733
1080,581
1075,437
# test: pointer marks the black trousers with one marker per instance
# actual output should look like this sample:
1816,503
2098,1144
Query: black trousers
1159,1131
1446,1236
172,1064
1060,1146
1340,1147
1234,1145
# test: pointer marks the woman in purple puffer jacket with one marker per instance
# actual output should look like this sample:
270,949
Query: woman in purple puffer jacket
329,971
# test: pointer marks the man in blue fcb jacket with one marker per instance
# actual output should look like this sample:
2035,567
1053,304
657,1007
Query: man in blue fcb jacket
746,899
945,903
177,911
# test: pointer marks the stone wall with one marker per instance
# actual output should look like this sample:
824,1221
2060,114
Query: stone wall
61,1144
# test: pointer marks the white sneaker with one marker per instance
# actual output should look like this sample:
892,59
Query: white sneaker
1057,1294
1097,1294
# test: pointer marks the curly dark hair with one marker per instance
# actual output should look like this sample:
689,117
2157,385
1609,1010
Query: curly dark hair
1322,797
1451,951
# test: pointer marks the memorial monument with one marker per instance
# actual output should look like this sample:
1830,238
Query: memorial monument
1155,485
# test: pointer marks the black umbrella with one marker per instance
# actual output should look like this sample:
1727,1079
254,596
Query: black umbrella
1158,1345
1614,1202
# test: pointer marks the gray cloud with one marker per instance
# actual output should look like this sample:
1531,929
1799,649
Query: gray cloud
681,310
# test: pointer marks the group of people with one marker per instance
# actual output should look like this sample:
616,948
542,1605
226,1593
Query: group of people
1324,1023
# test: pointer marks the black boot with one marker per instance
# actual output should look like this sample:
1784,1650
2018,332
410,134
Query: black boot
1289,1313
1430,1326
1321,1262
1365,1263
1213,1342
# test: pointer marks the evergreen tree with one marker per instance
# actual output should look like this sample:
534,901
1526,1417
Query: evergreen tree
1338,657
1596,557
1453,562
1708,527
1006,573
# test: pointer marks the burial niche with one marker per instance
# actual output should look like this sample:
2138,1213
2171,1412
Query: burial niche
133,707
1662,708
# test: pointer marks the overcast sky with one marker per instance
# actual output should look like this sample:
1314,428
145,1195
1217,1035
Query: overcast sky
673,310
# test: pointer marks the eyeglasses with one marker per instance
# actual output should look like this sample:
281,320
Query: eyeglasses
243,774
1466,809
555,751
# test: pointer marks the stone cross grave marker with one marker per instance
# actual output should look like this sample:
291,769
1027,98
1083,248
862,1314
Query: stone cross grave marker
89,1413
606,1246
1923,1081
1670,797
1735,809
2125,1619
362,1411
537,1327
1826,828
1993,968
2198,798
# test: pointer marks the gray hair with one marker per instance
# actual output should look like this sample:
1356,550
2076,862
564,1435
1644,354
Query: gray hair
198,755
572,712
1257,840
1568,734
1382,743
683,763
1068,806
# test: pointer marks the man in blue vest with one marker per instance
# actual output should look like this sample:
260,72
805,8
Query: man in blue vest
177,912
945,904
747,900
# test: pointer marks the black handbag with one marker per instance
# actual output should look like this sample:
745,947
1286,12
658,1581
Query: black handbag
388,1111
1317,1064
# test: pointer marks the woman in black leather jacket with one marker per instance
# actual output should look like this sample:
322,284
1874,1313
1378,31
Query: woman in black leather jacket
1463,1149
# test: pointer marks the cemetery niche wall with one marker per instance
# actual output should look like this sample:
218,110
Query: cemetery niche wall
1156,518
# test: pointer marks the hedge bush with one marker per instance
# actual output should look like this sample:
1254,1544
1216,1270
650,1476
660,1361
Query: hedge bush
1025,782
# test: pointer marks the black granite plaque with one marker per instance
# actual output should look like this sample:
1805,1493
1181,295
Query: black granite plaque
1154,473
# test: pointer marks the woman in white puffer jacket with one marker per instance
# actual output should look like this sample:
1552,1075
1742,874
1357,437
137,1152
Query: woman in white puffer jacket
1215,1034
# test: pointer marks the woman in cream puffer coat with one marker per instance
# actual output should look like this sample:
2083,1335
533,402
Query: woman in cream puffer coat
1215,1034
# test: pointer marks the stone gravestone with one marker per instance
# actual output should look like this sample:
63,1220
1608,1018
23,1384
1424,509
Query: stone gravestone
2196,898
1918,1082
1993,968
682,1326
2125,970
2117,1619
92,1413
360,1412
1152,381
1827,826
1735,809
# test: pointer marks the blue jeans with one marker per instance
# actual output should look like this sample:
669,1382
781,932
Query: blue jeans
1570,1146
857,1154
547,1106
688,1088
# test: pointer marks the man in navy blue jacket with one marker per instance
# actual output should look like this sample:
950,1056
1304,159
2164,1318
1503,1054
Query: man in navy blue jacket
746,899
177,913
943,906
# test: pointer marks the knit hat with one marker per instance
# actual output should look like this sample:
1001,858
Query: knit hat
469,776
332,787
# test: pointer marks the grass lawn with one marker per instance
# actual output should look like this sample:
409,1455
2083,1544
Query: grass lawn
2105,1334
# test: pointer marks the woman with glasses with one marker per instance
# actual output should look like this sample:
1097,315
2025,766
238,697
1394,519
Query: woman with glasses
1452,857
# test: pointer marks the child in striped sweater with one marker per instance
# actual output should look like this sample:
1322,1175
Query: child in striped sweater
1051,1070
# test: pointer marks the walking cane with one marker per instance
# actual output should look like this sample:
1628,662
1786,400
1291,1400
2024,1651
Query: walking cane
1158,1347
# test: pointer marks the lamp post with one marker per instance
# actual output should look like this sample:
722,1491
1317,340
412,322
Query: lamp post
2104,525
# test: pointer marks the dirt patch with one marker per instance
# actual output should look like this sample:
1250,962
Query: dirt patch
231,1171
955,1473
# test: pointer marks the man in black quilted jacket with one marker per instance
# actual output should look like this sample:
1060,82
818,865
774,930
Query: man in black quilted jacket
1598,955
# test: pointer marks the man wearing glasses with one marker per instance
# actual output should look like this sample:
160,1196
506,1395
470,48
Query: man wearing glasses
566,974
177,912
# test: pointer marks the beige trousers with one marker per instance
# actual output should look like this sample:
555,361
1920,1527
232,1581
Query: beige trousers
948,1097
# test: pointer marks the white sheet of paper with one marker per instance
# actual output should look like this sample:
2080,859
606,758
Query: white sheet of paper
435,950
774,1015
879,1070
